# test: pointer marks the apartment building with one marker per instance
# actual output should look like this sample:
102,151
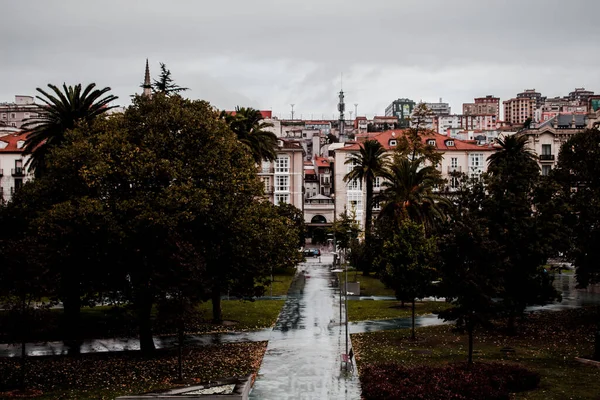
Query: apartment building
318,202
13,172
519,109
284,177
488,105
458,156
546,139
401,109
440,108
15,114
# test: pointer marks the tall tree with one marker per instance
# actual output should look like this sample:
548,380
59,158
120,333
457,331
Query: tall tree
513,175
62,111
368,164
251,129
469,263
408,190
407,263
578,173
165,84
412,144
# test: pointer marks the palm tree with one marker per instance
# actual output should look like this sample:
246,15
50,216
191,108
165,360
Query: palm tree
408,192
61,111
513,153
369,163
248,125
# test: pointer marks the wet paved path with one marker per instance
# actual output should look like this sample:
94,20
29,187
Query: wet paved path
303,356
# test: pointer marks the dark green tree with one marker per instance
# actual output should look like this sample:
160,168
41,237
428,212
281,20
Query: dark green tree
165,84
513,175
578,173
60,112
469,269
295,215
407,263
250,128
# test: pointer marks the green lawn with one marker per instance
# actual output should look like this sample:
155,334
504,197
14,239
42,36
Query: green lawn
369,284
546,343
364,310
107,321
108,375
282,280
246,315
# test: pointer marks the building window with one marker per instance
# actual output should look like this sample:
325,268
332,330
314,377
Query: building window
267,183
266,167
377,183
282,199
282,165
431,142
3,115
13,115
546,149
454,162
355,185
355,201
454,182
546,170
376,205
393,143
475,163
282,183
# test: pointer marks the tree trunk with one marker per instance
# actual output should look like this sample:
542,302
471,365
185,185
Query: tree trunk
144,307
597,340
216,304
23,345
369,210
413,336
72,319
470,332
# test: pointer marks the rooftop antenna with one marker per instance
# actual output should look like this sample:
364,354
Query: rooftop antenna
292,110
341,109
355,110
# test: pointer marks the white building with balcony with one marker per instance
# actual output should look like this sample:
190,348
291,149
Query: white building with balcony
13,172
457,156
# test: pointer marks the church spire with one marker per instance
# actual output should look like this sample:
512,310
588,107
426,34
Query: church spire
147,85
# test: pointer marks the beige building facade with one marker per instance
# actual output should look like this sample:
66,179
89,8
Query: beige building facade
284,177
458,156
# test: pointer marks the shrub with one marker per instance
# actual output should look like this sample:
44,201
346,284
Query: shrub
492,381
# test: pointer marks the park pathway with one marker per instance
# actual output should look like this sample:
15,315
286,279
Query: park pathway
302,360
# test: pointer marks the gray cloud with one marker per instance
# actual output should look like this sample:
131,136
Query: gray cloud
270,53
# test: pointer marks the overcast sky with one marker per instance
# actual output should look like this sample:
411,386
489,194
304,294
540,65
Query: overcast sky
271,53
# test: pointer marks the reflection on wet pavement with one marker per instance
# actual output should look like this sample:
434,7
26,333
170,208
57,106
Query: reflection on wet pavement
303,356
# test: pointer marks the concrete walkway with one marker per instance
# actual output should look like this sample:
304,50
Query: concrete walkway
303,356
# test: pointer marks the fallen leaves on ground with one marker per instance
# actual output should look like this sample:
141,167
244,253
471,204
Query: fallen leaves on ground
107,375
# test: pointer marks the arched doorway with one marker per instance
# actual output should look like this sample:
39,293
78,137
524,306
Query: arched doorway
318,219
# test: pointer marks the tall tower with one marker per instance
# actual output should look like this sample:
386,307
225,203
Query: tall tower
147,85
341,109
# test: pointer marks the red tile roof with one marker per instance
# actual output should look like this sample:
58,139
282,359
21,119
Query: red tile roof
440,142
264,113
309,172
322,162
12,139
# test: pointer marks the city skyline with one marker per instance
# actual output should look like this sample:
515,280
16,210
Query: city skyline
269,55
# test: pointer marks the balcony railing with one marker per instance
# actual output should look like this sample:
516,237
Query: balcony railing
266,170
546,157
454,169
18,172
